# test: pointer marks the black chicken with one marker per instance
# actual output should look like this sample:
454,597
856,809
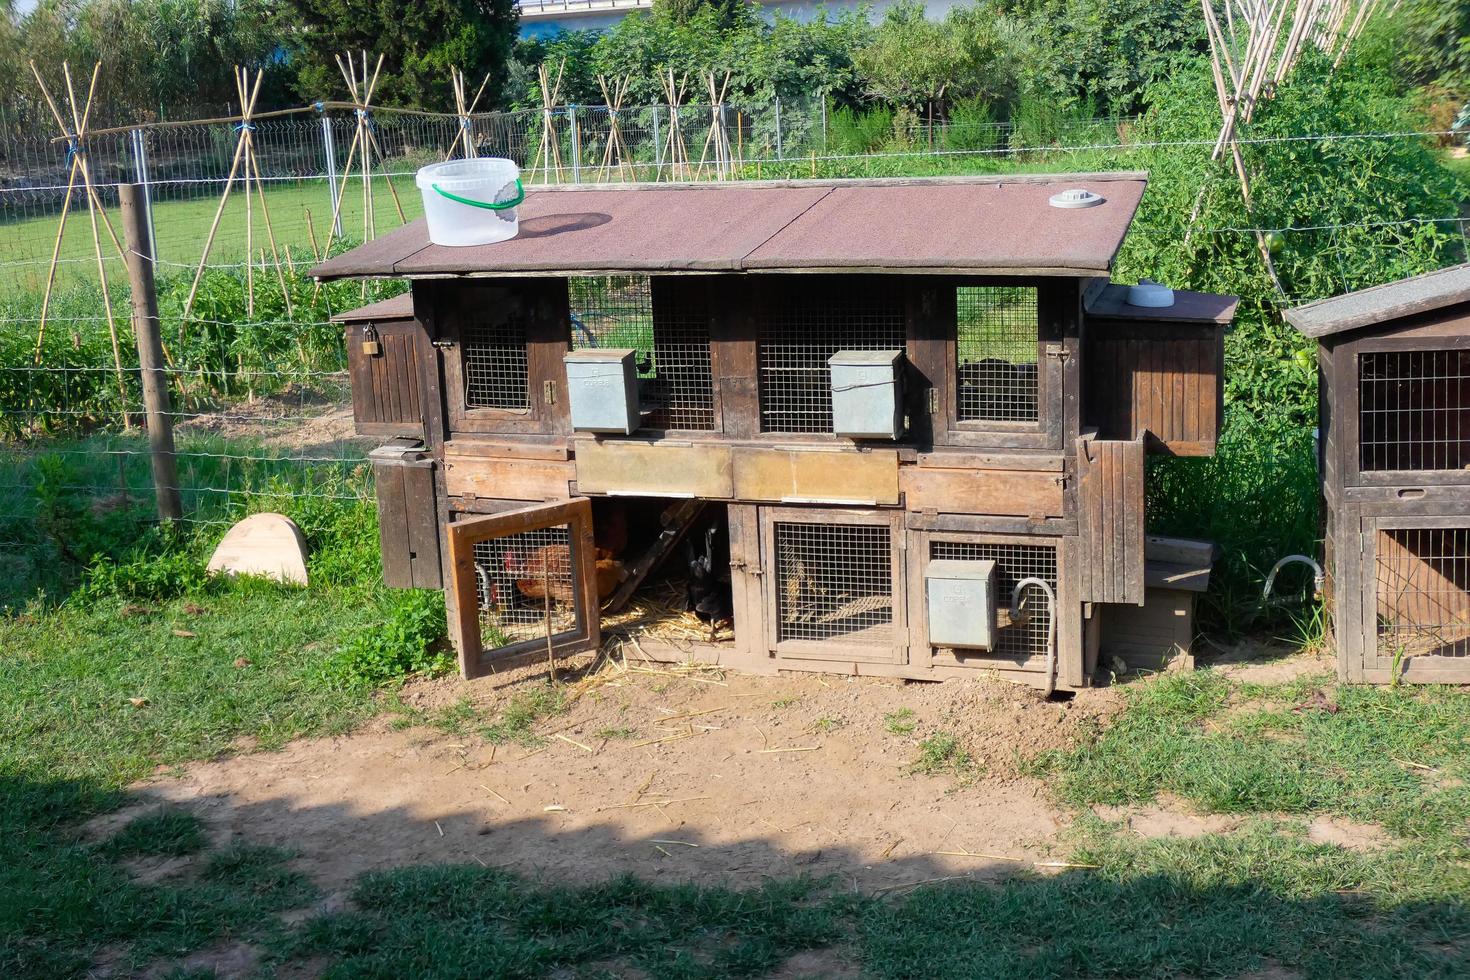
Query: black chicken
710,597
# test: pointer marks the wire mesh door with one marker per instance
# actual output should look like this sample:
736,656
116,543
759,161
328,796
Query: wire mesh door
1020,642
1418,607
1414,411
524,583
834,584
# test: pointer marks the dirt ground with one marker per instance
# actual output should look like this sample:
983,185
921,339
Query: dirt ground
669,774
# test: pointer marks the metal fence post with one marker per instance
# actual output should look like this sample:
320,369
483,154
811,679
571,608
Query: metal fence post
658,145
823,95
576,144
150,353
140,174
329,147
780,152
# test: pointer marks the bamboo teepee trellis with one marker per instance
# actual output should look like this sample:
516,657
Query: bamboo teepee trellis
548,152
362,149
1250,57
676,150
615,153
717,141
465,110
245,157
75,135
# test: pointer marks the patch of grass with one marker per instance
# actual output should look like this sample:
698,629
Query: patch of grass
171,832
825,725
616,734
261,873
1308,747
786,702
517,720
942,755
900,722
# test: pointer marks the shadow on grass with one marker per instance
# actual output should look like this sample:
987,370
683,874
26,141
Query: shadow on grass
1210,907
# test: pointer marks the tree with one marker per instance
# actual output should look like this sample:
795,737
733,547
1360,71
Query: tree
419,41
917,63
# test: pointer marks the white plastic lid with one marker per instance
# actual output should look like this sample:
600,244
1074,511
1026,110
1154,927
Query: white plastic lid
1076,197
1150,294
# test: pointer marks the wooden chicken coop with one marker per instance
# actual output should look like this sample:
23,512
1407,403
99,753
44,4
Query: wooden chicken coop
872,427
1394,366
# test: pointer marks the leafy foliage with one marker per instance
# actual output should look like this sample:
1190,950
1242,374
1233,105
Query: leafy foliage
403,643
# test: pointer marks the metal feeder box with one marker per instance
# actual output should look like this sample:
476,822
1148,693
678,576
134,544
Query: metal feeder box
602,385
866,400
960,600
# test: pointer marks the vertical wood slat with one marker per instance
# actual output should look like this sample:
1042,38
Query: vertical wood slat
386,399
1111,520
1159,379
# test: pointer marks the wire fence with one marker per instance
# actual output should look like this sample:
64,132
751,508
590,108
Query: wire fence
261,400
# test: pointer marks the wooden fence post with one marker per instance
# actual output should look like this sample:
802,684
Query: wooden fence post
150,353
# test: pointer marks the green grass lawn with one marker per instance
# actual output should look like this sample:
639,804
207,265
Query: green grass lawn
181,227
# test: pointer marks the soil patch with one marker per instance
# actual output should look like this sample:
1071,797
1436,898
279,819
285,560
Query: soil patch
668,774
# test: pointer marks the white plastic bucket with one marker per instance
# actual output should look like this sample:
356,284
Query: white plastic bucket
471,202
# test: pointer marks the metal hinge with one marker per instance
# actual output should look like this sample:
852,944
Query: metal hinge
548,391
933,401
442,344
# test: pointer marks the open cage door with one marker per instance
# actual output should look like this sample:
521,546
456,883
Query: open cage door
524,584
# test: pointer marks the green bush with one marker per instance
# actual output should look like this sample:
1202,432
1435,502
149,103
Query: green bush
405,643
851,131
971,126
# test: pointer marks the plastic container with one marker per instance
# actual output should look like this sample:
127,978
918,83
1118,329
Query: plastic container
471,202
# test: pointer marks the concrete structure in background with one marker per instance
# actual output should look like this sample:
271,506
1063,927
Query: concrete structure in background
545,18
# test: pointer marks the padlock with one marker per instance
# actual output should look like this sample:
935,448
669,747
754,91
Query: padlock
371,346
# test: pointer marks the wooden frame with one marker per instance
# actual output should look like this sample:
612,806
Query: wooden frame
934,352
464,534
388,397
921,654
893,652
1371,662
1345,391
541,306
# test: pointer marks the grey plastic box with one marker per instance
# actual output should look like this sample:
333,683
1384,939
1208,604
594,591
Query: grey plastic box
866,398
602,386
960,603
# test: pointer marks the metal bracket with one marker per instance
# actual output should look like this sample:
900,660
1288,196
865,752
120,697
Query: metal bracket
548,391
933,401
1056,350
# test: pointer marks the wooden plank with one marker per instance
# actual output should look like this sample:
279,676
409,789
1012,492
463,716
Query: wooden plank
654,469
1111,520
508,479
1015,493
796,476
423,526
961,460
393,531
534,448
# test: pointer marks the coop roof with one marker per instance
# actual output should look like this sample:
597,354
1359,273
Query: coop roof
1379,304
1111,303
974,225
399,307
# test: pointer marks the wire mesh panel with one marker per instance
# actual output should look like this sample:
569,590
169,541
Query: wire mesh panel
997,339
803,324
1013,562
496,364
1423,586
523,583
671,338
1414,410
834,583
515,576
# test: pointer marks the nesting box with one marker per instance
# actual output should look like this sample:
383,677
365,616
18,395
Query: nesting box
602,386
866,396
961,603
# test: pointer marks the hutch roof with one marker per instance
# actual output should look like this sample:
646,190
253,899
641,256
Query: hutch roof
966,225
1379,304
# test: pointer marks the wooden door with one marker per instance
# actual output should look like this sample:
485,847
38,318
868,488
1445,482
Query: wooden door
1415,610
524,584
